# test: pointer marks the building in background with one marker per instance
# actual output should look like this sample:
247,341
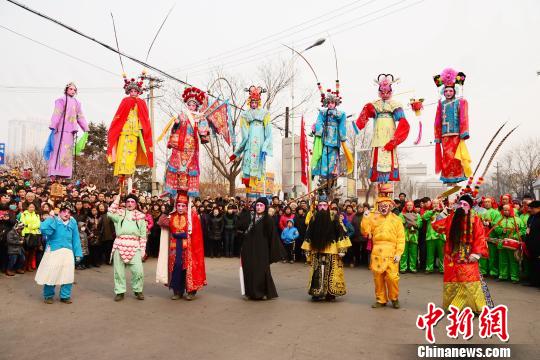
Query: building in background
25,135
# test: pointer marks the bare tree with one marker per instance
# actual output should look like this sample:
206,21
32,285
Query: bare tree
31,158
519,168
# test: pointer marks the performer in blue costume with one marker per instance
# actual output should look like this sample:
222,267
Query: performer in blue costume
63,249
330,136
256,142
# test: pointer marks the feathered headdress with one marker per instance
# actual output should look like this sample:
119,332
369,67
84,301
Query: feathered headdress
330,96
255,93
132,83
449,78
385,81
194,94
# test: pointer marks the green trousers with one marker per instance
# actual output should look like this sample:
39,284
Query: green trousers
135,267
409,257
434,247
508,264
484,266
493,260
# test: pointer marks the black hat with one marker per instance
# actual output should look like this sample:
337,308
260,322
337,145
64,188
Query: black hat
262,200
468,199
534,204
132,196
67,206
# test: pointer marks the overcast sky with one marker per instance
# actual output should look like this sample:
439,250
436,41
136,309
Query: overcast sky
495,43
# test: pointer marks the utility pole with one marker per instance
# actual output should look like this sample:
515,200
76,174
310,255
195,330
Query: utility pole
154,83
287,122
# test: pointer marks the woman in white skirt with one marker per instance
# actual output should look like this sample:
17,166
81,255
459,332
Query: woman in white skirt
63,249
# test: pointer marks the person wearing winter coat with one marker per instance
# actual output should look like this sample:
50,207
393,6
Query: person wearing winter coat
288,237
15,250
229,230
215,227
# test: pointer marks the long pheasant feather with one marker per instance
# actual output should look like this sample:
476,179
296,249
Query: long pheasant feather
495,151
487,148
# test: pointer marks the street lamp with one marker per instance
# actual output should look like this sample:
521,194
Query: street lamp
315,44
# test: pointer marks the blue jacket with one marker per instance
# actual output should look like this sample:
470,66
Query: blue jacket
289,234
61,236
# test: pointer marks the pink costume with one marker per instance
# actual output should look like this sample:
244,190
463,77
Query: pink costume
65,122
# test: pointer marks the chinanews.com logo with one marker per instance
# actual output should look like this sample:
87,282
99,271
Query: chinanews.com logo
491,322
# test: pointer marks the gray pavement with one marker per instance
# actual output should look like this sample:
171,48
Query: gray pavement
220,324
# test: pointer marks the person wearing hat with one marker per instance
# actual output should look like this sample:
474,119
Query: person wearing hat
66,120
129,246
412,221
260,248
181,258
386,231
325,245
532,241
15,250
509,226
465,245
62,251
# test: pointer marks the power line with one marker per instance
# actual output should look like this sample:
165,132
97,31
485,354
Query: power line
58,51
108,47
261,42
303,41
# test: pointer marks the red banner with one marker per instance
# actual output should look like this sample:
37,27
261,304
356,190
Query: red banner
219,118
304,153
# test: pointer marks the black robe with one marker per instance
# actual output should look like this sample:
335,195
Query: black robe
261,247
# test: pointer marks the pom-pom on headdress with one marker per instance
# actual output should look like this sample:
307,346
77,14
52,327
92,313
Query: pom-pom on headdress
132,83
385,81
194,94
330,96
255,93
449,78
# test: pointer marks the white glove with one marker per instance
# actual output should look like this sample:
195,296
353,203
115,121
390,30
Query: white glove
474,258
397,258
341,254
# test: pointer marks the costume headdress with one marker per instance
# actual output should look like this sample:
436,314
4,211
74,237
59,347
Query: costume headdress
255,93
330,96
449,78
133,83
66,206
71,83
385,81
194,94
182,198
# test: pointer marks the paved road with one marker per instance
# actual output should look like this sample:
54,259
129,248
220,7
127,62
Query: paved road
220,324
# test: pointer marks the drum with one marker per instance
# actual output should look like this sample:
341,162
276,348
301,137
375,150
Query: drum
510,244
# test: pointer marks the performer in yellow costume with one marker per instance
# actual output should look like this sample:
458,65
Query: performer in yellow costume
388,236
129,140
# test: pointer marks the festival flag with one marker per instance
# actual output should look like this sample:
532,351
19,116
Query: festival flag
304,154
218,117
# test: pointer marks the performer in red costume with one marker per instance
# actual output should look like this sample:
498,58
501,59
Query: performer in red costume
386,135
465,245
130,135
452,158
185,271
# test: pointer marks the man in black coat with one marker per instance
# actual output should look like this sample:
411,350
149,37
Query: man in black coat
261,248
532,241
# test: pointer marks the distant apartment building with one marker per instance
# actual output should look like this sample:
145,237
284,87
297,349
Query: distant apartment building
24,135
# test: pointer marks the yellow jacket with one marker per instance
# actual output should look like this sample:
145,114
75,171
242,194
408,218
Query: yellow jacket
31,223
388,237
